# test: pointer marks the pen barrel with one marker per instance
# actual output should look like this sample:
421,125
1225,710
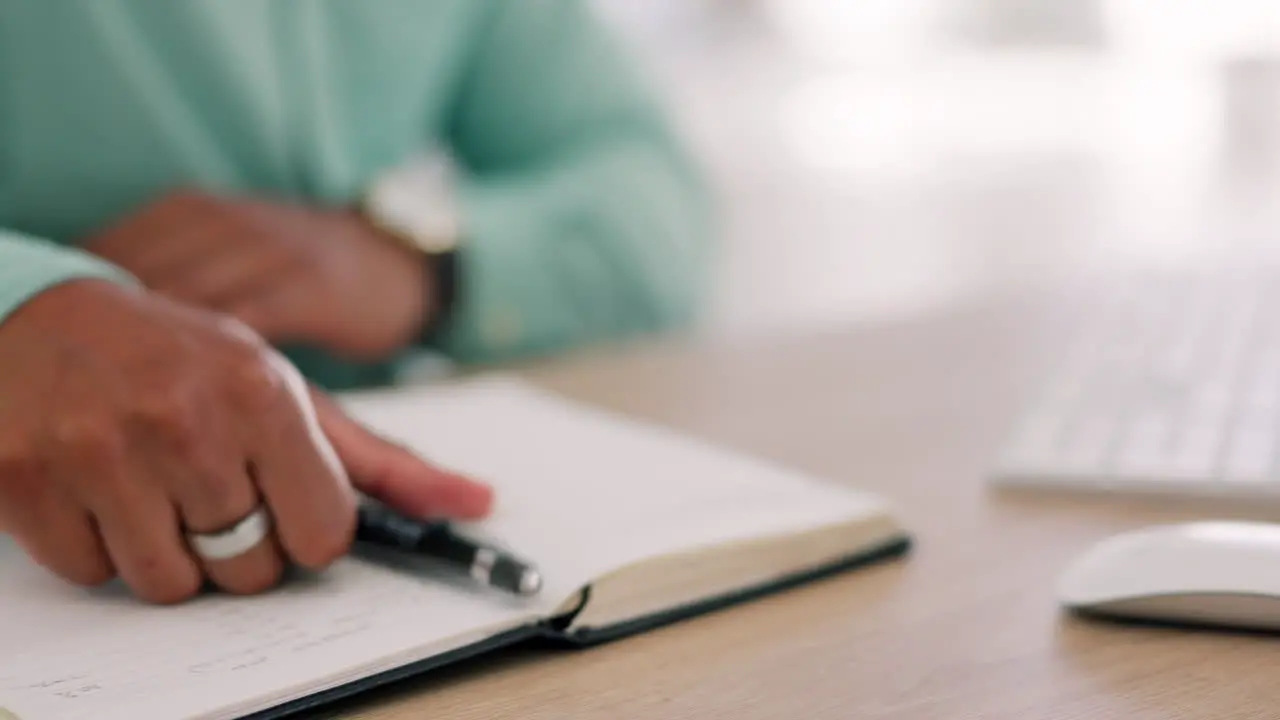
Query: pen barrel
386,528
488,565
382,527
440,542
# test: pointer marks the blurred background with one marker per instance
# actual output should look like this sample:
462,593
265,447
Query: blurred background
878,159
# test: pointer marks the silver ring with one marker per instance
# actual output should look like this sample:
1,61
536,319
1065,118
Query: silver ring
236,540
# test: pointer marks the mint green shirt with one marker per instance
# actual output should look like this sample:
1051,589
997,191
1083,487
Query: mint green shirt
583,218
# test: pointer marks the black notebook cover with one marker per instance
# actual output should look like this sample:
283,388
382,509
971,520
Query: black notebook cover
553,633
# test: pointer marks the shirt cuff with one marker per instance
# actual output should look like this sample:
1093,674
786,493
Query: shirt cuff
496,268
29,266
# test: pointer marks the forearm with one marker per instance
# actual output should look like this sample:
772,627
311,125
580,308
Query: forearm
29,266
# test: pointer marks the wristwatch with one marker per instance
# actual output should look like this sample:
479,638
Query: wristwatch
415,205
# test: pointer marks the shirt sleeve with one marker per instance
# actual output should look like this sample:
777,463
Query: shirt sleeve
29,266
582,217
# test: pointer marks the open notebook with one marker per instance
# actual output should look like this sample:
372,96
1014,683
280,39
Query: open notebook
632,526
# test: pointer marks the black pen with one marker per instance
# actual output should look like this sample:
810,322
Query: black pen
491,566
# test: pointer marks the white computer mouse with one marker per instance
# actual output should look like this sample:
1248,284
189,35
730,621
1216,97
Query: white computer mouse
1202,573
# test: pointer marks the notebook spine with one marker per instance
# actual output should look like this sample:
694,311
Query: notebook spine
585,636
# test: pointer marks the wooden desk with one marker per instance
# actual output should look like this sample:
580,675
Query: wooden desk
967,627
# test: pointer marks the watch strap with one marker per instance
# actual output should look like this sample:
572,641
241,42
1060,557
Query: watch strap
442,283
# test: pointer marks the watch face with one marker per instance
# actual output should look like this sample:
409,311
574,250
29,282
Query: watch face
417,202
433,232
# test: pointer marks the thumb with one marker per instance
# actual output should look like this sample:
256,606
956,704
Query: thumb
395,476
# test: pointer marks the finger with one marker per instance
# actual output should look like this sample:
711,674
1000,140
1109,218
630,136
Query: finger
208,478
58,534
163,261
150,555
275,309
120,240
255,571
166,228
222,280
138,523
396,476
313,504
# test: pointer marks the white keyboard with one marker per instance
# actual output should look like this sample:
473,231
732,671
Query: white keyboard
1174,390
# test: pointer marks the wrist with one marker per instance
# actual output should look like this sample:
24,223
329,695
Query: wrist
414,205
410,286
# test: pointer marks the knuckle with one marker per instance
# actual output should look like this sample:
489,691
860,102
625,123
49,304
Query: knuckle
250,379
89,435
240,335
322,550
171,415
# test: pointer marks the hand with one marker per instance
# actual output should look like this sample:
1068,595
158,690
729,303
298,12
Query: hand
127,420
293,274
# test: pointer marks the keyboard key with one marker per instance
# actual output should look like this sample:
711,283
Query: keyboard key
1262,389
1248,457
1145,449
1206,411
1083,451
1195,455
1034,449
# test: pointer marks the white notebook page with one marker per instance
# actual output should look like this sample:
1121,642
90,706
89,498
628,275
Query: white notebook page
584,491
580,493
